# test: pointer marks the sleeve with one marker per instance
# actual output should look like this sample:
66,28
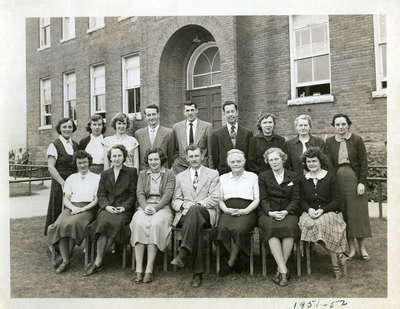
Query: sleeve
265,204
256,188
96,184
212,199
334,195
129,203
293,205
102,192
135,143
303,200
168,190
363,160
141,196
52,151
209,146
178,198
68,185
215,149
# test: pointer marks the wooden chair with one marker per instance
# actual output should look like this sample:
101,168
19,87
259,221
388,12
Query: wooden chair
252,246
165,259
177,237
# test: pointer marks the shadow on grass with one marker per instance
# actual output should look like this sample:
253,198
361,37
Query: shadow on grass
33,276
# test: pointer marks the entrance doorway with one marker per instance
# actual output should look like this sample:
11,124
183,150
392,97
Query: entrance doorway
203,82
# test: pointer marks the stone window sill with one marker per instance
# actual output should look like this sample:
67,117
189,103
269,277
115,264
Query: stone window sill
327,98
46,127
379,93
43,48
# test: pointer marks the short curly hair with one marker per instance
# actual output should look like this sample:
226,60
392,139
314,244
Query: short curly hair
263,116
280,152
349,122
65,120
158,150
235,152
122,117
94,118
120,147
314,152
82,154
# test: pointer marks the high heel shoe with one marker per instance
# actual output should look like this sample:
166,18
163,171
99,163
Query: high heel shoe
284,279
342,261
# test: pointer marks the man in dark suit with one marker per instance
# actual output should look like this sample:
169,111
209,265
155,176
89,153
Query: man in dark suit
195,203
154,136
191,131
230,136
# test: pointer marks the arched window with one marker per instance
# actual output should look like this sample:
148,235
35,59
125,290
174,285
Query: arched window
204,68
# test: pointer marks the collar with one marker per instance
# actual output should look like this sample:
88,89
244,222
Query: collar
322,173
340,138
194,123
162,171
244,175
100,137
155,129
192,170
64,140
228,125
298,138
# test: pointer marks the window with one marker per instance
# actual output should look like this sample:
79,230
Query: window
70,96
44,32
380,55
95,23
131,84
68,28
98,90
204,68
310,62
45,103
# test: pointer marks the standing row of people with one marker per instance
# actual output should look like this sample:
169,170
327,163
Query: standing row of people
278,178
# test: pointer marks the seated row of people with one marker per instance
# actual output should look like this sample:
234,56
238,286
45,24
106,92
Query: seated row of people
195,196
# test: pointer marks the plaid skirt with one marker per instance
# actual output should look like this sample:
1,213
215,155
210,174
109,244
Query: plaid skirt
329,228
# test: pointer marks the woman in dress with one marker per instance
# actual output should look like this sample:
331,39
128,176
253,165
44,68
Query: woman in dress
239,199
279,196
120,124
263,141
299,144
61,165
94,143
348,156
322,220
117,197
80,197
151,224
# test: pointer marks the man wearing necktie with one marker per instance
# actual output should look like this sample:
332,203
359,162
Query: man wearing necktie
191,131
154,136
195,203
230,136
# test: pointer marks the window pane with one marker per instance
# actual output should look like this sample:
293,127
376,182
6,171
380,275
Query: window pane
382,28
202,65
313,90
304,70
47,109
210,52
131,100
319,39
303,43
99,85
100,103
383,56
202,81
47,120
137,99
321,67
216,78
216,66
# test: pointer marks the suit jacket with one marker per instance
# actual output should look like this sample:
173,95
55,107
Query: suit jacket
120,193
207,193
167,186
357,155
222,143
276,197
202,138
162,140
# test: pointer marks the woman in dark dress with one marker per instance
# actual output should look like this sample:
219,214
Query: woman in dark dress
279,196
322,222
299,144
239,199
80,198
348,156
94,143
263,141
117,197
61,165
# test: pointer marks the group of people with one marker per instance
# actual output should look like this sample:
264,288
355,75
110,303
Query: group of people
122,189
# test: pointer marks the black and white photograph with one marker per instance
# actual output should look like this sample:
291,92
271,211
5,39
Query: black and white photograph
200,154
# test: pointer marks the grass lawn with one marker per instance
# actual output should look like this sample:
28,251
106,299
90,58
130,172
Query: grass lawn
33,276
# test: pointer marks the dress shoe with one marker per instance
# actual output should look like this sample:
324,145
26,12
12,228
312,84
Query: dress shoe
92,269
148,277
284,279
225,270
54,257
63,267
138,278
177,261
196,281
277,277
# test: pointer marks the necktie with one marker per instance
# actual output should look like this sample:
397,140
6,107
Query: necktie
233,135
191,138
195,180
152,136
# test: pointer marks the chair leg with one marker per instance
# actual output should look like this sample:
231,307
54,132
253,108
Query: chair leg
208,248
175,249
264,259
308,258
165,266
124,256
252,254
298,255
87,250
218,259
133,266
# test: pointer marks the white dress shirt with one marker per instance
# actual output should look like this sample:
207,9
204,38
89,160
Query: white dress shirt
245,186
153,133
82,188
52,150
188,130
96,148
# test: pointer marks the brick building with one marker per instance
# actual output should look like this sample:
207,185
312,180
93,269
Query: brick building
287,65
